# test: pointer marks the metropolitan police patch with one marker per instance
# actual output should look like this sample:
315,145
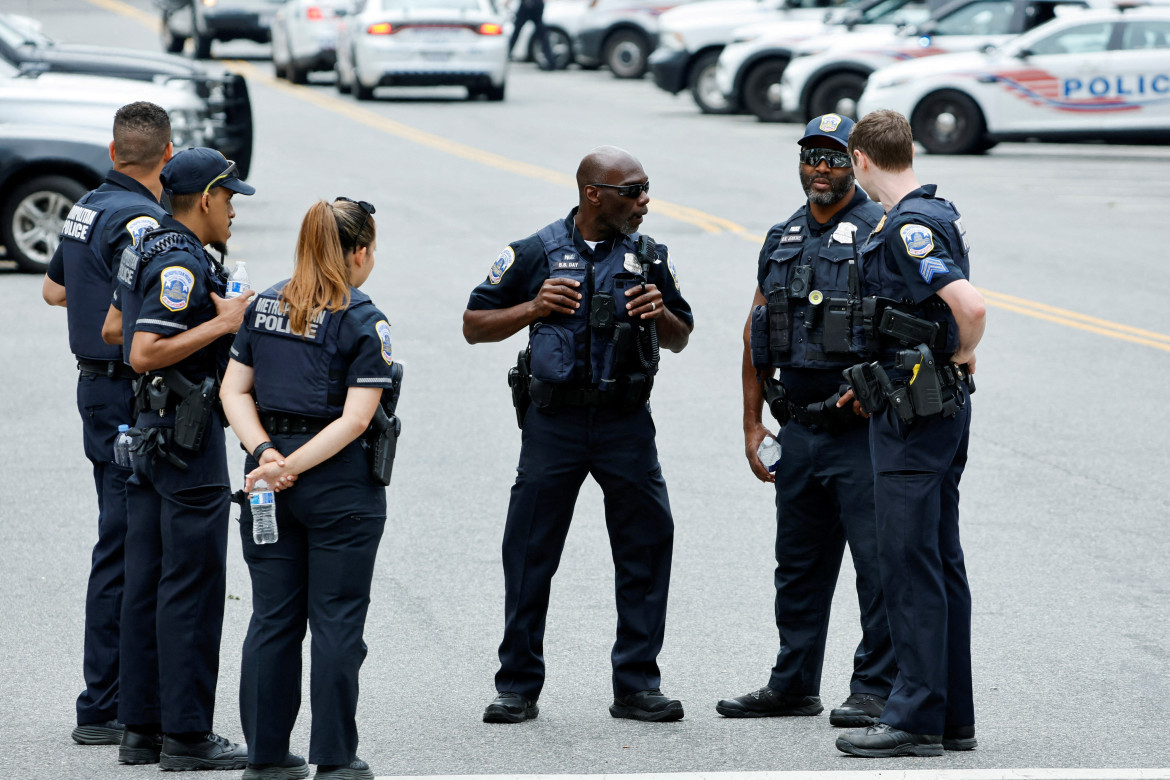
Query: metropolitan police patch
502,264
830,123
918,239
176,282
383,329
139,225
673,272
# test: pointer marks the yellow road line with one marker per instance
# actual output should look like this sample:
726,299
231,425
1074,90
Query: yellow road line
707,222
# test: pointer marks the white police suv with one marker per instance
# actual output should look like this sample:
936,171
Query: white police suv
1097,75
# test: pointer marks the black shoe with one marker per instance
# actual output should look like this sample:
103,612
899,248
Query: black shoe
959,738
291,768
107,733
355,770
859,710
139,748
210,751
510,707
885,741
769,703
649,705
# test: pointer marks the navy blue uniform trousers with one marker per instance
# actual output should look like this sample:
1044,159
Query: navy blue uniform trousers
825,497
319,570
104,404
172,611
916,487
560,448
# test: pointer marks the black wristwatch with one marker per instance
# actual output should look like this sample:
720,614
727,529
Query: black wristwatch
261,448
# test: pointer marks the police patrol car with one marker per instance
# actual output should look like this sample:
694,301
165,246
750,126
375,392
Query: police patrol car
1101,75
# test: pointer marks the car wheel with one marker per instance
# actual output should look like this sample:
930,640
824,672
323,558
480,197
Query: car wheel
31,217
625,53
172,43
837,94
704,89
561,45
761,90
296,75
950,123
360,91
494,93
343,86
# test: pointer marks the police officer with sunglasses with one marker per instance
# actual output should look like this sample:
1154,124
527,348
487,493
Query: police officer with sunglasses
806,323
597,299
176,331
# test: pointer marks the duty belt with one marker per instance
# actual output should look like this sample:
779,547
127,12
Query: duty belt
826,416
114,369
281,424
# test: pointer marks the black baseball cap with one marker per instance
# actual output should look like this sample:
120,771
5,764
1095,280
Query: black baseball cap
832,126
199,169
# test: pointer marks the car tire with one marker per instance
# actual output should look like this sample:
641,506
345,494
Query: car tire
296,75
31,216
761,90
344,87
361,91
626,54
949,122
836,94
561,45
171,43
703,88
494,94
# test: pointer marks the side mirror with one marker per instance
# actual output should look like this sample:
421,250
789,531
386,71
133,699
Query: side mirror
33,68
1024,54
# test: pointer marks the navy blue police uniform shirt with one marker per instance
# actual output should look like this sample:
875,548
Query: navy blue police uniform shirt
363,349
94,287
176,297
810,385
519,272
918,250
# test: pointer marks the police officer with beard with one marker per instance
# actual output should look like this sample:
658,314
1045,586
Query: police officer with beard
81,277
597,300
177,330
917,262
805,322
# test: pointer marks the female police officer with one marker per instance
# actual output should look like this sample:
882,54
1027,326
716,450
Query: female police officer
316,351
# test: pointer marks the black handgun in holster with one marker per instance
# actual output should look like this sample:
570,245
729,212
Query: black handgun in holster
924,385
193,411
897,395
866,389
519,379
776,396
384,430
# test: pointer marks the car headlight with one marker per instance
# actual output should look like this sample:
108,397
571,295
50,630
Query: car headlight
673,40
888,82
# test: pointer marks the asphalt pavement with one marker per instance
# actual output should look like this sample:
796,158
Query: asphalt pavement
1064,506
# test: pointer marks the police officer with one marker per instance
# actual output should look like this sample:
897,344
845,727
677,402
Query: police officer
808,295
176,331
81,277
533,11
916,260
597,300
316,352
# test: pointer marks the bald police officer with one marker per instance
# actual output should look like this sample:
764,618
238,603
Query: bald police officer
81,277
597,299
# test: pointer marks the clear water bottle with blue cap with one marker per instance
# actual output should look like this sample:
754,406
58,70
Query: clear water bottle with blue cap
262,501
238,282
769,453
122,447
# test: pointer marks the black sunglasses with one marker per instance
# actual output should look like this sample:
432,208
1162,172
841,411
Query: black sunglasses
834,158
367,209
231,171
627,190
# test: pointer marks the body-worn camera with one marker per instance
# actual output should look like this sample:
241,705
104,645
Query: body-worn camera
800,281
601,311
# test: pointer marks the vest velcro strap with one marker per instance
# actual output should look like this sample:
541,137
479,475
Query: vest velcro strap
281,424
114,369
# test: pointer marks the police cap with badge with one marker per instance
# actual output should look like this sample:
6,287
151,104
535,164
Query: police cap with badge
831,127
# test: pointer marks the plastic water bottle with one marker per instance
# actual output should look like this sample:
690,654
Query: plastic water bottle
238,282
263,503
122,447
769,453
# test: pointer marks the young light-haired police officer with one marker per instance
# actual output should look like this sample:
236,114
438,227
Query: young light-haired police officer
177,331
806,321
81,277
597,300
916,263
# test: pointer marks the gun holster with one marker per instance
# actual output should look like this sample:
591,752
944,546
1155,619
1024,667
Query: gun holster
193,411
866,389
519,379
385,428
776,396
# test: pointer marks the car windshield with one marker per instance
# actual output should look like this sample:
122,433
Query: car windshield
429,5
894,12
15,34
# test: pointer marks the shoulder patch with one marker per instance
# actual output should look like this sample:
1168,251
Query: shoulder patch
383,329
918,239
139,225
80,222
673,272
177,283
502,264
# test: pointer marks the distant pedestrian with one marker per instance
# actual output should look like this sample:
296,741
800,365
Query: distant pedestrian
533,11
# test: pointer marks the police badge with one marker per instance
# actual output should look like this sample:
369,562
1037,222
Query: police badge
631,263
